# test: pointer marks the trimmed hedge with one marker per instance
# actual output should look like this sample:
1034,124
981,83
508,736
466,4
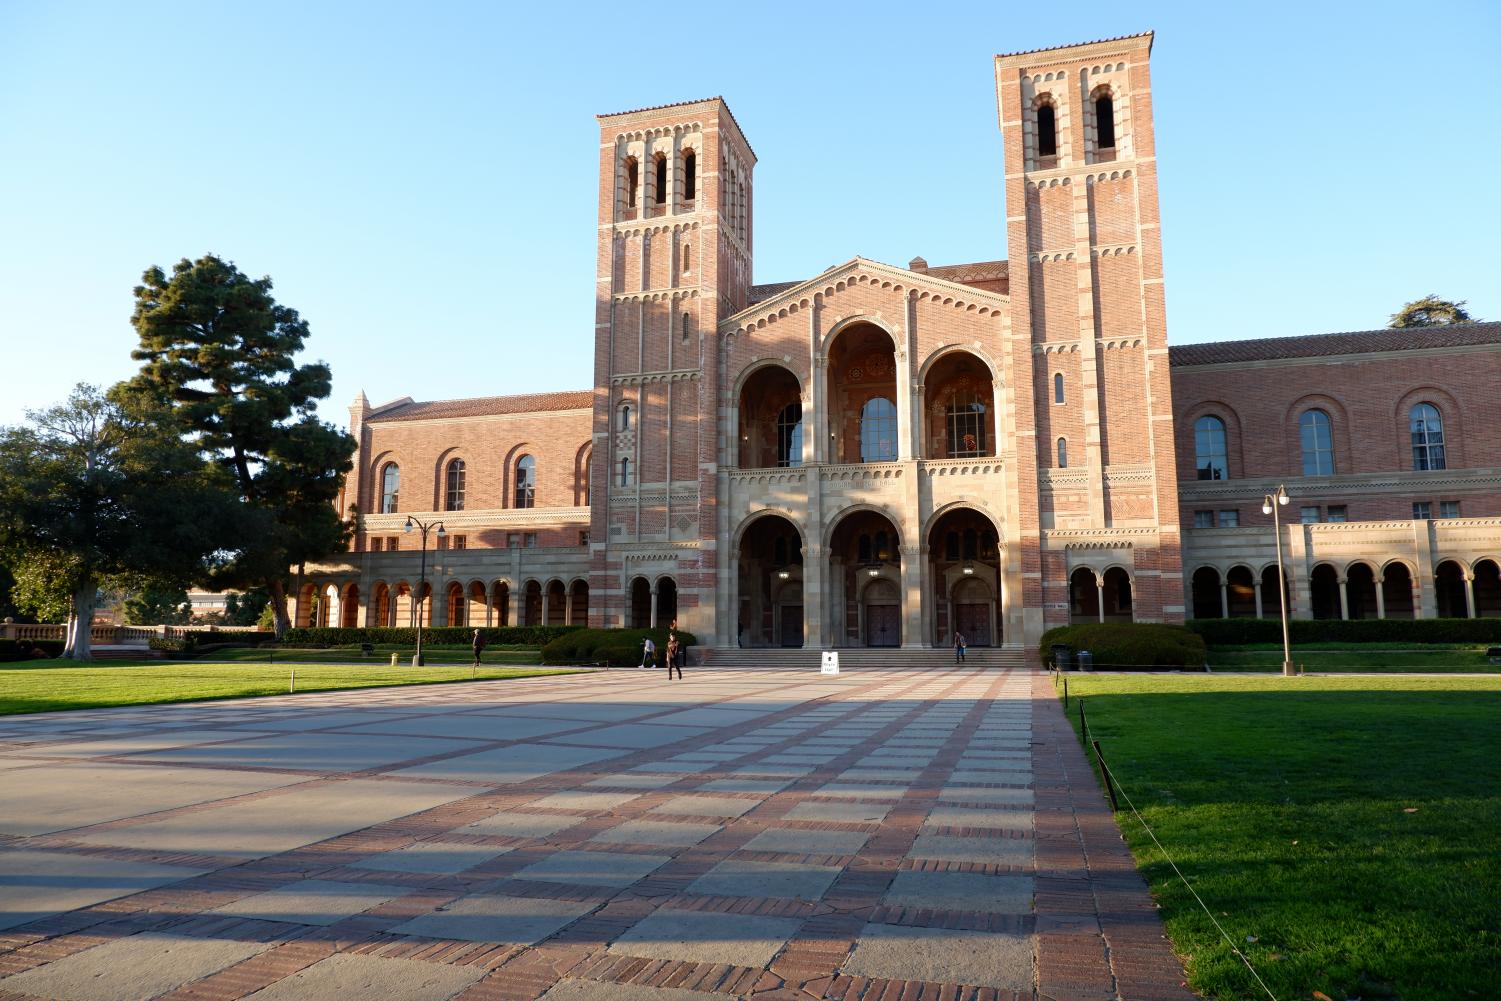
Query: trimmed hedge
13,650
1236,632
616,647
436,635
1127,645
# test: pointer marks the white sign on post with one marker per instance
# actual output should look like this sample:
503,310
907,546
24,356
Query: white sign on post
830,662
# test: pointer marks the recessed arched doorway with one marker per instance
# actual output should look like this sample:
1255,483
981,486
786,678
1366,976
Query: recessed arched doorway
965,573
862,397
770,584
865,573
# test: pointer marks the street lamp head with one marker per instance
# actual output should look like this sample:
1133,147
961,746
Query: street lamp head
408,526
1266,508
441,533
1282,496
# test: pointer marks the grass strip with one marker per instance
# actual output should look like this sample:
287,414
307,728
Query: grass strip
1342,829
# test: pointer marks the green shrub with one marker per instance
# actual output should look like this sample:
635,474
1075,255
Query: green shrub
1128,645
438,635
1237,632
616,647
13,650
175,646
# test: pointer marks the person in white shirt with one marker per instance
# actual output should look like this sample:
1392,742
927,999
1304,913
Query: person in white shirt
648,653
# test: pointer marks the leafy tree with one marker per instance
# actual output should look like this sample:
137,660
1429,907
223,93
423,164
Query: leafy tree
104,489
221,350
245,609
8,607
1431,311
158,607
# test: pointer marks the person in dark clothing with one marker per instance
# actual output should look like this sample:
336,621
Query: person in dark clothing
959,646
478,645
674,657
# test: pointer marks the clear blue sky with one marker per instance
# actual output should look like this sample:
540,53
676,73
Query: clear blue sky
418,179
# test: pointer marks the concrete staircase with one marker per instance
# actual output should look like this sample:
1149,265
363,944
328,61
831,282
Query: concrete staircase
857,658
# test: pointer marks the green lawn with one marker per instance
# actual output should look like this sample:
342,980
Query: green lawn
41,686
1343,830
352,655
1342,658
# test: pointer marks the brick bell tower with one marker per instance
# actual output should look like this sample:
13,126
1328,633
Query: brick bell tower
674,257
1097,489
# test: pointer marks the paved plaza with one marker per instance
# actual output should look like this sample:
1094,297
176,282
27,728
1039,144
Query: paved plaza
743,833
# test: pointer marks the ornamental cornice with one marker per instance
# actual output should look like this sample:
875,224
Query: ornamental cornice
656,553
1137,473
646,378
1347,484
1066,478
677,223
656,295
768,476
960,467
387,524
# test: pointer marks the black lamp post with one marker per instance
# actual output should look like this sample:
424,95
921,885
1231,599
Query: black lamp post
422,580
1272,504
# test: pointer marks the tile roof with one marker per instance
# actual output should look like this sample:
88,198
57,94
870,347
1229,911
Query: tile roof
1325,345
760,293
487,406
1073,45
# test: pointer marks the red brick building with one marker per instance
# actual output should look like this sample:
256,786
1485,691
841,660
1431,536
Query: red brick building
879,455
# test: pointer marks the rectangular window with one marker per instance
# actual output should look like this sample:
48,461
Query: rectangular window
1203,519
442,542
1230,519
1448,509
375,543
393,543
583,538
461,542
1310,515
1339,512
530,540
513,540
1422,510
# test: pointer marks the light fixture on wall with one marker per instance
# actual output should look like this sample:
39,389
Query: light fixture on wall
969,568
873,569
783,573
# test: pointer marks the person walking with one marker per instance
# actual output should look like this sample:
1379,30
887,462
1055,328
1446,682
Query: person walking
674,652
648,653
959,646
477,645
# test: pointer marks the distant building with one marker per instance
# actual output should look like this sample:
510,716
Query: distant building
879,455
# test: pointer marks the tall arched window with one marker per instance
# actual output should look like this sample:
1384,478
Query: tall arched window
453,499
624,423
878,430
966,419
687,258
661,179
632,181
1427,437
1210,452
1057,387
625,472
1318,443
687,325
526,481
1047,131
390,488
1104,121
1062,453
790,435
690,175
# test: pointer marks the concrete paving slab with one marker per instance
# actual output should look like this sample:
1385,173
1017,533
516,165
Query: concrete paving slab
677,768
131,743
291,718
468,725
132,969
431,856
579,868
506,765
706,806
1014,852
880,774
981,959
63,797
852,790
999,818
990,797
497,918
762,785
636,736
798,841
593,990
705,937
313,752
582,801
628,781
711,716
371,978
583,712
656,832
37,884
268,825
775,771
746,878
313,901
841,813
519,825
961,891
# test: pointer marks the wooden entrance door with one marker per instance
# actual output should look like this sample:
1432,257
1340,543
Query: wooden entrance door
792,625
883,625
973,620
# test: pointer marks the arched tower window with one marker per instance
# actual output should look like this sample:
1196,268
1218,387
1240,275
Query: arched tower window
390,488
526,481
632,181
878,430
1047,129
966,425
1062,453
690,175
790,435
624,423
661,179
625,472
1427,428
1318,443
1210,451
1104,121
687,259
1058,387
687,325
453,499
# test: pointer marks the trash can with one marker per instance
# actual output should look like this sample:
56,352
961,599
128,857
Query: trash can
1086,660
394,655
1063,656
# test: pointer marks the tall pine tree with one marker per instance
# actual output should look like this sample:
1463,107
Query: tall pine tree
223,351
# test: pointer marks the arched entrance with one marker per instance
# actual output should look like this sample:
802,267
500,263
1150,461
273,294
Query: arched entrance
379,612
1083,597
1360,591
1396,591
557,604
861,395
1487,589
578,603
1323,592
500,603
479,612
1205,587
958,409
455,595
1240,592
640,603
533,598
1449,587
1271,594
667,601
965,572
1117,593
865,573
771,419
349,607
770,586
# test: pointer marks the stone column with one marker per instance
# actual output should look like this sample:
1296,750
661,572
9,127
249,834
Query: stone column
911,594
1344,598
814,633
1469,594
1256,589
653,622
1099,586
1224,600
1381,597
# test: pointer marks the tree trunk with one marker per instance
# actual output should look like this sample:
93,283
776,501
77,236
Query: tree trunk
81,622
278,592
